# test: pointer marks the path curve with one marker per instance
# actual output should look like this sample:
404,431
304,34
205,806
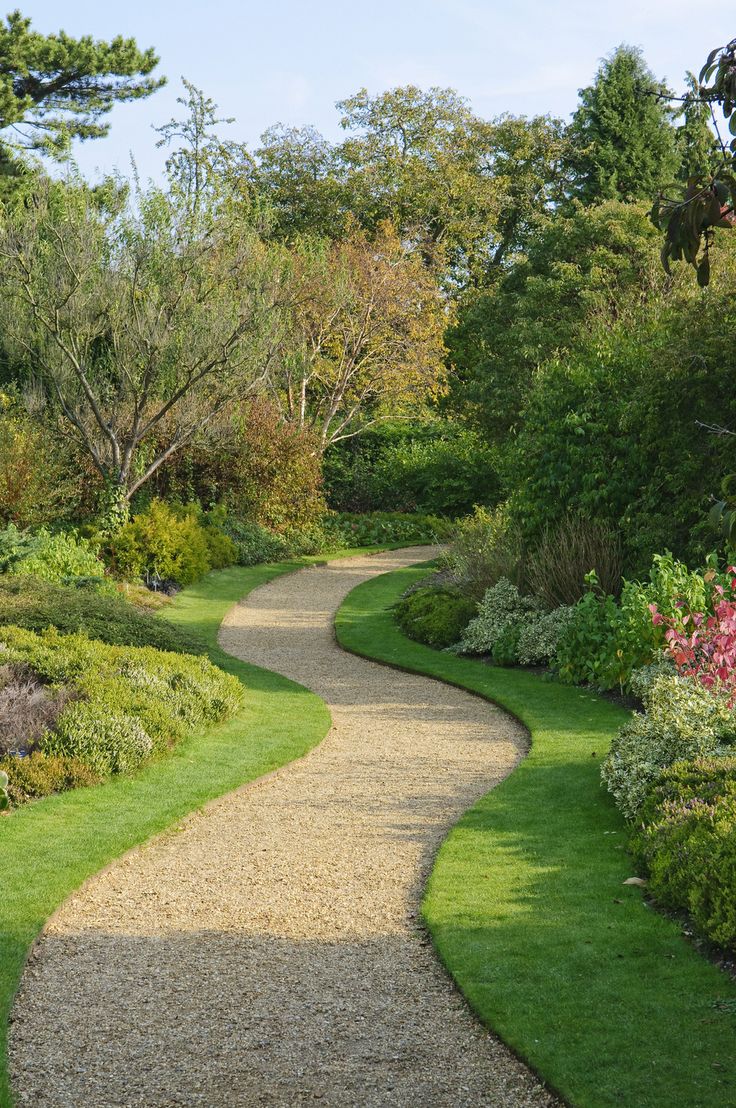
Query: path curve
268,952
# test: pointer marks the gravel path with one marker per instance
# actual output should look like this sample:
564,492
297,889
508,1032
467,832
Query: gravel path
268,952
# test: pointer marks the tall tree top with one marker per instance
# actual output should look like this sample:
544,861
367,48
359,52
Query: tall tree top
54,88
624,144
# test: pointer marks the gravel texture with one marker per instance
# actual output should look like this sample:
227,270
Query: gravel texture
269,950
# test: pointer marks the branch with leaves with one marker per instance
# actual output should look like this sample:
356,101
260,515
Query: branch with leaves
689,222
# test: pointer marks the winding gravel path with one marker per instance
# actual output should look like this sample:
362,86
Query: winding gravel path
268,952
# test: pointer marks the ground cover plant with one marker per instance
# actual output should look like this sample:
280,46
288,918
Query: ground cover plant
528,907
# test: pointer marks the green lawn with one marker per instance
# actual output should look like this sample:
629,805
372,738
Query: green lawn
528,910
48,848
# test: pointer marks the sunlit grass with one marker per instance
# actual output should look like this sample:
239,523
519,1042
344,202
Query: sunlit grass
527,907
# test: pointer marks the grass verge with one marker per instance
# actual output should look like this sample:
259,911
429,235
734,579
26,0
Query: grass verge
48,848
526,904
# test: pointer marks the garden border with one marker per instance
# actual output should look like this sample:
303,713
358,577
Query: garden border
528,909
50,847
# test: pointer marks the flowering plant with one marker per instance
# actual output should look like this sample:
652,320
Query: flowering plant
704,646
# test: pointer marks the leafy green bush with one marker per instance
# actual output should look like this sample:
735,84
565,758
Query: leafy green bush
498,623
129,702
59,557
162,544
434,466
604,642
686,841
36,605
539,636
254,544
484,548
435,616
682,719
376,528
38,482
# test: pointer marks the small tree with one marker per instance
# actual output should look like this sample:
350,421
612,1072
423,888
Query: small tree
141,325
365,339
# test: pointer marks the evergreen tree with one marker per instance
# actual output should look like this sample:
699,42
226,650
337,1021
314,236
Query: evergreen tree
700,153
624,145
54,88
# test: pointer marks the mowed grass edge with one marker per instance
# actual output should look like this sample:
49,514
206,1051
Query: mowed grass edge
529,912
50,847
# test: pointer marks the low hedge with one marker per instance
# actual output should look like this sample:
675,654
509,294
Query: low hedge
686,842
36,605
127,703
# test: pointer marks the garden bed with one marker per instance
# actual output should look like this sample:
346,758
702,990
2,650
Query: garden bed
527,904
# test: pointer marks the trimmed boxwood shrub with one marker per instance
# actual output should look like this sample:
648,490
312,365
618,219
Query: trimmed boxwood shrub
686,842
36,605
128,703
435,616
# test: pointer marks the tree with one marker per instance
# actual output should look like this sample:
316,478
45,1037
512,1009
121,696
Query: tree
298,172
700,154
461,190
204,167
54,88
709,201
140,330
365,339
584,267
623,141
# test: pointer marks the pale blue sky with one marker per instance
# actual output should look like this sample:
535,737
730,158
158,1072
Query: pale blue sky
289,61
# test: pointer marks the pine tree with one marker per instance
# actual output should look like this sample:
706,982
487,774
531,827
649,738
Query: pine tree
54,88
623,142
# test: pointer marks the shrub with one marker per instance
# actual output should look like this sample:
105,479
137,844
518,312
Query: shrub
500,613
682,719
254,544
376,528
433,466
161,544
567,552
38,774
483,549
60,557
686,842
36,482
539,635
704,646
126,703
261,468
435,616
36,605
